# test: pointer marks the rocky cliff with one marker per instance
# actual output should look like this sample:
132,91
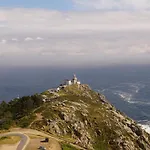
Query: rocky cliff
84,117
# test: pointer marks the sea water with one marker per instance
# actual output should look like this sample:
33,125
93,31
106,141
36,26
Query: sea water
126,87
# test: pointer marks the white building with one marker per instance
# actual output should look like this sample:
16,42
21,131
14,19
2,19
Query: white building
78,82
58,89
74,80
68,82
63,85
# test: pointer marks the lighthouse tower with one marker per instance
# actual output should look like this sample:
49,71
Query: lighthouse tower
74,80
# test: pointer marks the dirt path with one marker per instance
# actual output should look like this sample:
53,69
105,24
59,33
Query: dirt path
9,147
23,142
34,143
51,145
55,146
55,141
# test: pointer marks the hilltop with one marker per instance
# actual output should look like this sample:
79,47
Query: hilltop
78,115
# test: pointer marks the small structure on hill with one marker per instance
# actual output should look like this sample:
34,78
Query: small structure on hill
73,81
66,83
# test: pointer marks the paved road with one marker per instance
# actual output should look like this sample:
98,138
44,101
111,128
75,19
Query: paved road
24,139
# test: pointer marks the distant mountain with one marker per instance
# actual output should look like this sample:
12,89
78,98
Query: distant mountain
78,115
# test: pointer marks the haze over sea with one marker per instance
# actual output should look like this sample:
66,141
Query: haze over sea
127,87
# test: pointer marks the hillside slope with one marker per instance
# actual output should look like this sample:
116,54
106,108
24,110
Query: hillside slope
86,118
81,116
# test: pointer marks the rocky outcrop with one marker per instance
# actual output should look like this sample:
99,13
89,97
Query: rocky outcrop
86,118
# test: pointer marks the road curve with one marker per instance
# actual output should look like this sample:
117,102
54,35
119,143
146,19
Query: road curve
24,139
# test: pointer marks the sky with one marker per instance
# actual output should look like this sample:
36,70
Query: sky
61,5
79,4
77,33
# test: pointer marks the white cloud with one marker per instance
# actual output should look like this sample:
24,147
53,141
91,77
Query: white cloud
39,38
33,20
28,39
3,41
112,4
87,38
2,16
14,39
76,53
47,53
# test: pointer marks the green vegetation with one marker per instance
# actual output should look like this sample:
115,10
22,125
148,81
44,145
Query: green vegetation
26,121
19,111
50,114
47,93
75,114
68,147
9,140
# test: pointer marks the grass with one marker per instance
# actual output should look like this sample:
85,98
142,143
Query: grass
26,121
68,147
39,109
99,117
50,114
48,94
73,94
32,136
9,140
69,139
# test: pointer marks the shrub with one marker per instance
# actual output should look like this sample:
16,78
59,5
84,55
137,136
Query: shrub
26,121
68,147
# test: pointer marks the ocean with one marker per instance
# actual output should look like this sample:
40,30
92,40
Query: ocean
126,87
